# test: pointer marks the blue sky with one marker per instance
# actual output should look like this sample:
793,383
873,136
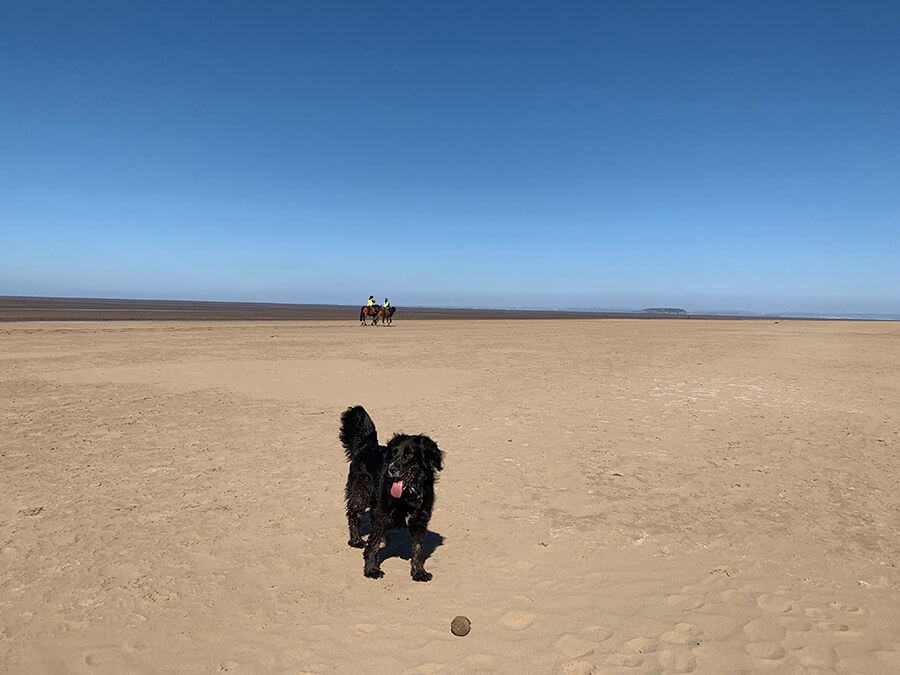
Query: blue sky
706,155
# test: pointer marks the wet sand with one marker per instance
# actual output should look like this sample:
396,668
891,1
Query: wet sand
19,308
619,496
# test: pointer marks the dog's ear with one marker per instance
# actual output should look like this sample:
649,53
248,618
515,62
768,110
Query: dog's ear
432,456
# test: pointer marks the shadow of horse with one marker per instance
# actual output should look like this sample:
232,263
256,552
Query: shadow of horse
398,543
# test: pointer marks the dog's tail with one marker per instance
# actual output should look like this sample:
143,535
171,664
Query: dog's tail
357,431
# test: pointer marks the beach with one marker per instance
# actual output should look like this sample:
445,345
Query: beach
619,496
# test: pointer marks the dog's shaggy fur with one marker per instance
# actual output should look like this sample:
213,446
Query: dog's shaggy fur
395,481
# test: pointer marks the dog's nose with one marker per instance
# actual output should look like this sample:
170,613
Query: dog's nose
393,469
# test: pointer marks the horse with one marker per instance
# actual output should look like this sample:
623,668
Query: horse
366,311
385,314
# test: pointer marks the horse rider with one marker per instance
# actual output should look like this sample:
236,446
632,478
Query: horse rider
387,304
371,302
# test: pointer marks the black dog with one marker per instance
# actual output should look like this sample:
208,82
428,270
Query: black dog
396,482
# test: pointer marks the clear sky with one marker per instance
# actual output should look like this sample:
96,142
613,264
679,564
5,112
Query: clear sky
599,154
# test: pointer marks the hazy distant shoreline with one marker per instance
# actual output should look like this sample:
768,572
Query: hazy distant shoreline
29,308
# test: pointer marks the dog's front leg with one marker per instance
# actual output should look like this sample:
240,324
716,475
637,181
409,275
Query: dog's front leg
417,535
370,555
354,515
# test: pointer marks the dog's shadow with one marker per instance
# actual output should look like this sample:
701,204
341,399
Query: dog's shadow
398,544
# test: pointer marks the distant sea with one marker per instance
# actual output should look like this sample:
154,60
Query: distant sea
27,308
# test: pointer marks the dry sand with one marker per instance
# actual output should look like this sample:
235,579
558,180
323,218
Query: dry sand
619,496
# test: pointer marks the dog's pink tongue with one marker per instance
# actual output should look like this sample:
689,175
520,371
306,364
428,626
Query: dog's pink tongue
397,489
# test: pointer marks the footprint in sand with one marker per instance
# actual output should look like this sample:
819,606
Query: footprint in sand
817,614
716,626
680,661
682,634
794,623
838,629
852,609
364,628
319,632
763,630
479,660
110,659
133,619
625,659
766,651
738,598
573,646
889,659
816,656
643,645
795,640
832,627
684,602
577,668
773,603
597,633
516,620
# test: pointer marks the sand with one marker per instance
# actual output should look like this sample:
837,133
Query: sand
619,496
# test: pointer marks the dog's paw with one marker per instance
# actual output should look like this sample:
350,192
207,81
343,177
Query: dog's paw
375,573
356,543
421,575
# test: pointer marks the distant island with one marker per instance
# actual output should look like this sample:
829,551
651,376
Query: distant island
668,311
